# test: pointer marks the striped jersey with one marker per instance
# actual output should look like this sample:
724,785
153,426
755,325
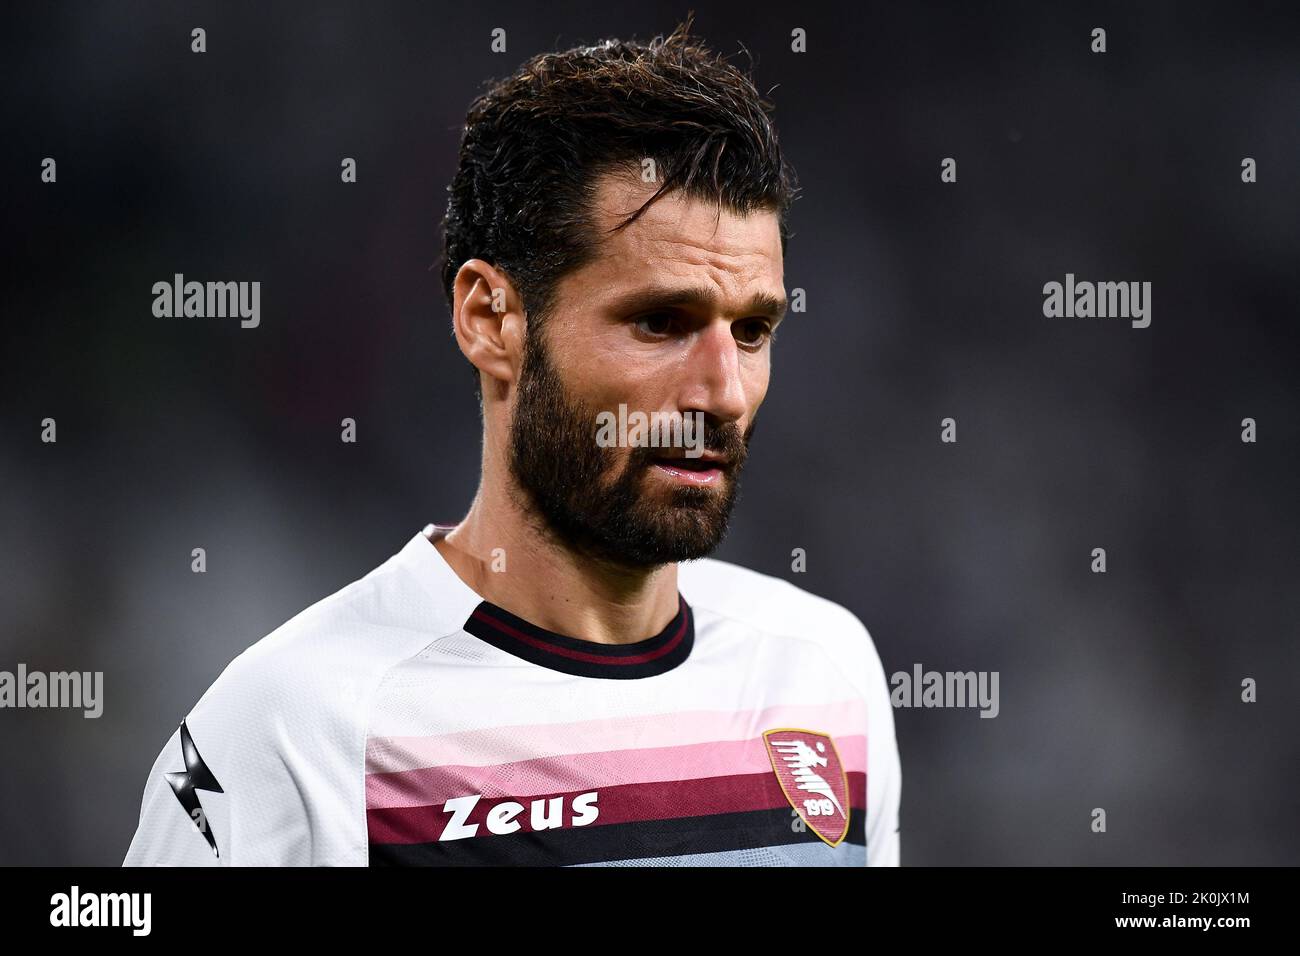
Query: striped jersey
406,721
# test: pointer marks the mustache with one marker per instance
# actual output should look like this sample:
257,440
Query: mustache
724,440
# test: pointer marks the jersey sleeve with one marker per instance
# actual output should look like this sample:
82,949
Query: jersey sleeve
268,768
178,817
265,770
850,644
884,769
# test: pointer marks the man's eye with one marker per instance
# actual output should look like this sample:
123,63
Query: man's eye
656,324
753,331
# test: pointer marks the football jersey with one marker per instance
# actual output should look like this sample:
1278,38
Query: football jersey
406,721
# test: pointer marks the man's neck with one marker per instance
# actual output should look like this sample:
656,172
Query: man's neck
500,553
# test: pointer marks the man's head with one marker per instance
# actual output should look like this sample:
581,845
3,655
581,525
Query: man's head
615,236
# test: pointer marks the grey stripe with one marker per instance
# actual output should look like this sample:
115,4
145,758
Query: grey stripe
794,854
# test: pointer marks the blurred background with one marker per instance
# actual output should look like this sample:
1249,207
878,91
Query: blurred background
1118,690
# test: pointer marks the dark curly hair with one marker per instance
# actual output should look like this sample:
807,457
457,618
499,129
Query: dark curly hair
536,143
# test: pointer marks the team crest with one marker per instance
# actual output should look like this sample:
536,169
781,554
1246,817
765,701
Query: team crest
812,778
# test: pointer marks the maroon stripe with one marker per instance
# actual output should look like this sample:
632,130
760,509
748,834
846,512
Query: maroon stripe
623,803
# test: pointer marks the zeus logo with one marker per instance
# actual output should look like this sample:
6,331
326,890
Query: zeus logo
546,814
196,776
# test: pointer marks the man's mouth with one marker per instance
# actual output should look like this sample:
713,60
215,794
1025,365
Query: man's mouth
707,469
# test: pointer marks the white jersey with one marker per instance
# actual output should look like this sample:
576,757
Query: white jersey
404,720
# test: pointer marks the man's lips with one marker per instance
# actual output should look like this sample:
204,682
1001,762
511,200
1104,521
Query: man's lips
700,462
705,469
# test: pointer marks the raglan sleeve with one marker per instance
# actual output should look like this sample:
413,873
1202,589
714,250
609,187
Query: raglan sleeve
178,813
235,784
852,646
268,767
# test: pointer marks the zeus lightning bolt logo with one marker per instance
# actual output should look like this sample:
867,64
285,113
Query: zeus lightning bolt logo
196,776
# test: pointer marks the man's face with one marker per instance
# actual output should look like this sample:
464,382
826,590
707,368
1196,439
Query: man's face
673,316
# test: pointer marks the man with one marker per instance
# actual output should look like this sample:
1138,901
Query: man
543,683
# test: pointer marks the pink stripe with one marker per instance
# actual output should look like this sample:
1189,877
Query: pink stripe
508,744
570,772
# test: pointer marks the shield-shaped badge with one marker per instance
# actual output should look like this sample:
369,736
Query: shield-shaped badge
812,778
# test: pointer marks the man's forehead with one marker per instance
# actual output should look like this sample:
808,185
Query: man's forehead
677,220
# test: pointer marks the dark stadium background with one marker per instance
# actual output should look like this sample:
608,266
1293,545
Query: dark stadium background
1119,691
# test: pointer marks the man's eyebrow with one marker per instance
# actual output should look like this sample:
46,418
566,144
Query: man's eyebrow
668,297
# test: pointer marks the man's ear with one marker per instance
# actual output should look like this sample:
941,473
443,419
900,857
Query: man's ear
488,318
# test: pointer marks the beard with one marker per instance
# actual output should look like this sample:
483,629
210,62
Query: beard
592,507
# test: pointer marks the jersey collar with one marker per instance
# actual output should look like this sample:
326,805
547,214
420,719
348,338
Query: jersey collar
560,652
571,655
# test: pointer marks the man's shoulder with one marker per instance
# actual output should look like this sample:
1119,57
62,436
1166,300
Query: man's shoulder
324,663
286,721
777,606
762,599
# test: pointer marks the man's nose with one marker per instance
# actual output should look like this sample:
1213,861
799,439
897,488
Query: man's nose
714,383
